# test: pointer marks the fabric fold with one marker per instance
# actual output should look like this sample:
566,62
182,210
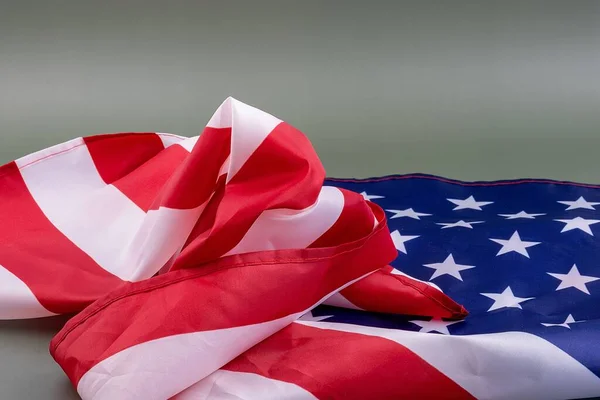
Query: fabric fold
156,329
182,253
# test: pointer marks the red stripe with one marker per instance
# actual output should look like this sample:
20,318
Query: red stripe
193,183
62,277
340,365
145,184
203,227
355,221
381,291
136,164
232,291
396,294
283,172
116,155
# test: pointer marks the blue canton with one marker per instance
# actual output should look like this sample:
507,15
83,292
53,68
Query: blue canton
519,255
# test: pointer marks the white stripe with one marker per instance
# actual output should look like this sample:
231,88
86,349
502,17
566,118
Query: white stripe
17,301
293,229
508,365
163,367
158,369
49,152
230,385
249,128
337,300
162,233
185,142
169,139
222,117
97,217
189,143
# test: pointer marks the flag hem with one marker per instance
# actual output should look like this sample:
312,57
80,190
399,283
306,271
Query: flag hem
501,182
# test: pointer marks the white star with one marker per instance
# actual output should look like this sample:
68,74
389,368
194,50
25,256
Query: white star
310,317
459,224
569,320
434,325
579,203
514,244
505,299
399,240
370,196
521,214
578,223
574,279
448,267
410,213
469,202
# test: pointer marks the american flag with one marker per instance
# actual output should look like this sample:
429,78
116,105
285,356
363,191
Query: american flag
195,266
523,256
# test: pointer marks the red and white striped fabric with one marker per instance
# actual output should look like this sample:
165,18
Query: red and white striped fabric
187,252
323,360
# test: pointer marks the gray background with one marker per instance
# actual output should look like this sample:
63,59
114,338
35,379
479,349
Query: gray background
470,90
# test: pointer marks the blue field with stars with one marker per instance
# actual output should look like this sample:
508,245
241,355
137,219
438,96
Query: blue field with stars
520,255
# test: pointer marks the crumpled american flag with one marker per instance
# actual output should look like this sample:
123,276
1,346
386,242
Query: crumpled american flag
225,266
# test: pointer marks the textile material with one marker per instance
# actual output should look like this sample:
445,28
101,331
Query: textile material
183,253
520,255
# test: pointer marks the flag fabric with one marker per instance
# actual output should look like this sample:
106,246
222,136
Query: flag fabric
521,255
225,266
182,253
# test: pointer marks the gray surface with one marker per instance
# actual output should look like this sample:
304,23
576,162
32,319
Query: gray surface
472,90
27,371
